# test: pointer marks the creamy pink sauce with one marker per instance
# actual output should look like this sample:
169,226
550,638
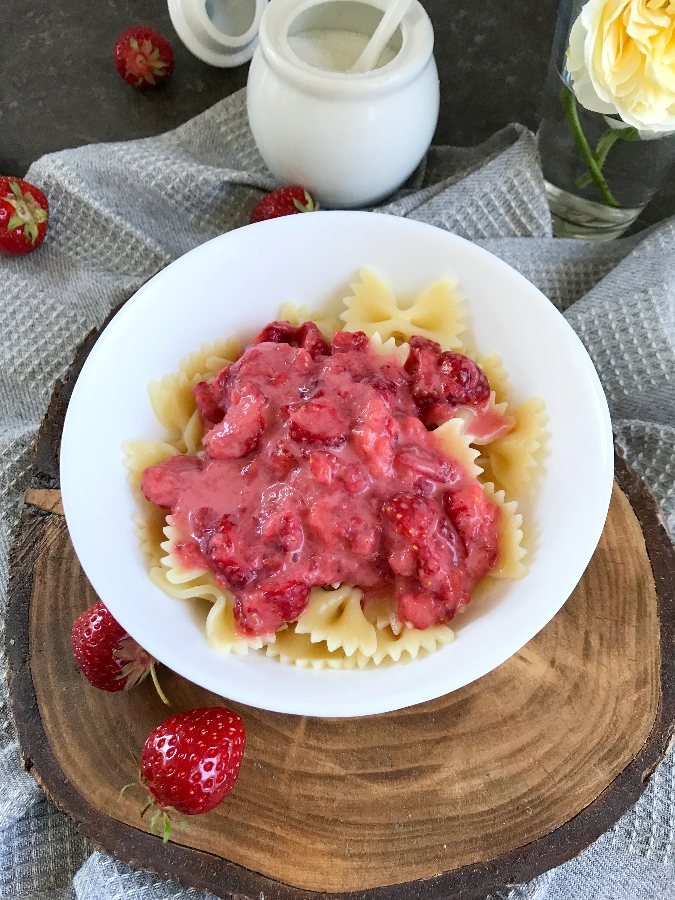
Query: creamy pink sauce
484,422
318,468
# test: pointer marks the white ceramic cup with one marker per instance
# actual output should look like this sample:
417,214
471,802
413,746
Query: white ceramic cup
221,33
351,139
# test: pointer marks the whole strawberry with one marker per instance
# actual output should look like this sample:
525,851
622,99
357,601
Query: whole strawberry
108,657
191,761
284,201
143,57
23,216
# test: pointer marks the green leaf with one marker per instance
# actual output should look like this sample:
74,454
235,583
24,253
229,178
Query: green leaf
16,190
628,134
15,222
167,829
133,43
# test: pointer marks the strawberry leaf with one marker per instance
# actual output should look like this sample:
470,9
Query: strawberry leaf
308,206
15,222
158,687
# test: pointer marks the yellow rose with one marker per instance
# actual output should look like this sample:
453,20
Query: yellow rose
622,61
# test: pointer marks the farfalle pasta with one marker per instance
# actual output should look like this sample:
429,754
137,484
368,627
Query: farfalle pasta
437,313
336,617
365,463
512,459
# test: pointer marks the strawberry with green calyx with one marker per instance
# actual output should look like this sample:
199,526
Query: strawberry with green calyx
24,212
143,58
108,657
286,201
189,764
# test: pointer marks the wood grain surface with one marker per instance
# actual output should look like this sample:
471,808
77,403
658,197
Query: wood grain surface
479,790
351,805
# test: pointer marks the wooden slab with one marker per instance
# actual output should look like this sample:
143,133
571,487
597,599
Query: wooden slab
488,785
480,789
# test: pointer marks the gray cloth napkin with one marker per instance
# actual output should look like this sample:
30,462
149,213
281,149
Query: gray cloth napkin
120,212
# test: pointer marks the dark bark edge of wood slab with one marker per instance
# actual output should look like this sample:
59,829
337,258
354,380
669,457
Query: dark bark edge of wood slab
204,870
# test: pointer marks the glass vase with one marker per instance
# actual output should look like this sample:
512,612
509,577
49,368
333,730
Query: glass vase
599,173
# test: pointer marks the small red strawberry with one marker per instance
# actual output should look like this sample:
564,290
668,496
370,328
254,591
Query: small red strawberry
284,201
190,763
143,57
108,657
23,216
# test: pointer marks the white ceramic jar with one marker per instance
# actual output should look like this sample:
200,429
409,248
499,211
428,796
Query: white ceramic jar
351,139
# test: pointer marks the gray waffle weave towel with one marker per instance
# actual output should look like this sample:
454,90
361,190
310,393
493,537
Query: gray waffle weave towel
120,212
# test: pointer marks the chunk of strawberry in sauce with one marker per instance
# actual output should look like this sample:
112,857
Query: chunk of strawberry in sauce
363,538
439,381
207,406
264,610
374,434
237,435
419,608
224,551
327,468
476,518
162,484
220,386
412,462
285,530
306,336
410,516
311,340
349,340
317,421
277,333
283,456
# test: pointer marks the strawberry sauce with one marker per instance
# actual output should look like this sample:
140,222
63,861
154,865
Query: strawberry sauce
319,467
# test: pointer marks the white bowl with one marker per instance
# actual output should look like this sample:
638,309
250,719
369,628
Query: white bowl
235,284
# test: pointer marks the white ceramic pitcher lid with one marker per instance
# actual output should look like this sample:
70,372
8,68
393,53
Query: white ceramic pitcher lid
221,33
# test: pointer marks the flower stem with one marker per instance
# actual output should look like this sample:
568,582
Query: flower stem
569,105
604,145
